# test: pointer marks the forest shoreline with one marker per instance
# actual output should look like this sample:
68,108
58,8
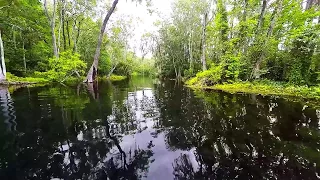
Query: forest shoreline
13,80
271,88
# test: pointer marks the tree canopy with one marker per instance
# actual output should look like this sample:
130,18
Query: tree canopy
227,40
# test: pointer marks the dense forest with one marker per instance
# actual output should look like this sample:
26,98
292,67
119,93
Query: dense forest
246,39
57,39
209,89
215,41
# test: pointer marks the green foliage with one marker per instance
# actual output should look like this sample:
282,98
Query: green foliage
271,88
66,98
231,67
145,68
207,78
60,68
188,73
281,43
301,53
113,78
14,79
117,78
227,71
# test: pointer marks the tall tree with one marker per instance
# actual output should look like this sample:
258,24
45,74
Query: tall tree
203,56
51,21
3,64
92,73
256,68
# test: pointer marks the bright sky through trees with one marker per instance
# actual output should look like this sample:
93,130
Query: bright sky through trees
144,20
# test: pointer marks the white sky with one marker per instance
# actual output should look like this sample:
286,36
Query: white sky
144,21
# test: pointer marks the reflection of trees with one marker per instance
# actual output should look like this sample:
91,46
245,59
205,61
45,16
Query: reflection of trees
68,139
90,158
138,161
8,125
239,136
7,110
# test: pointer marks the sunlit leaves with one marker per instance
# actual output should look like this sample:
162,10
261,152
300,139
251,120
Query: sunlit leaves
66,65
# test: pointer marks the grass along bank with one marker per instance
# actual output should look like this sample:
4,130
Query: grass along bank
15,80
264,87
12,79
113,78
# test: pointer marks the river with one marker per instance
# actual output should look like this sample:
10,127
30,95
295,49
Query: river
148,129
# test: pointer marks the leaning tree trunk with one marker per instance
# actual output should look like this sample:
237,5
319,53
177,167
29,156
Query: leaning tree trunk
203,56
3,65
92,73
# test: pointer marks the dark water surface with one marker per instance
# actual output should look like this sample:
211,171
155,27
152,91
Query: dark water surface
144,129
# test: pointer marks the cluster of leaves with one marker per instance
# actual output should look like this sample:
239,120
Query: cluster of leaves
66,65
209,77
228,71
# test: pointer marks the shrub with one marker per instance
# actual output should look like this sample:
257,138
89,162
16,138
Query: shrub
209,77
231,67
60,68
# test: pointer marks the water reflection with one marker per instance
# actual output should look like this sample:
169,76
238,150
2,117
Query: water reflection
244,137
7,109
139,129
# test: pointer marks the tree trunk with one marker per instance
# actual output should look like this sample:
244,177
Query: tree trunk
273,18
63,26
318,10
52,25
261,17
92,73
190,52
24,58
256,69
175,69
309,4
77,37
68,33
203,56
242,43
111,71
59,32
179,73
3,65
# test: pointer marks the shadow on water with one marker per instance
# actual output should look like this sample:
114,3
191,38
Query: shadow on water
146,129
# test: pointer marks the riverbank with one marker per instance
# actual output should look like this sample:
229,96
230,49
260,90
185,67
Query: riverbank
265,88
15,80
21,81
113,78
